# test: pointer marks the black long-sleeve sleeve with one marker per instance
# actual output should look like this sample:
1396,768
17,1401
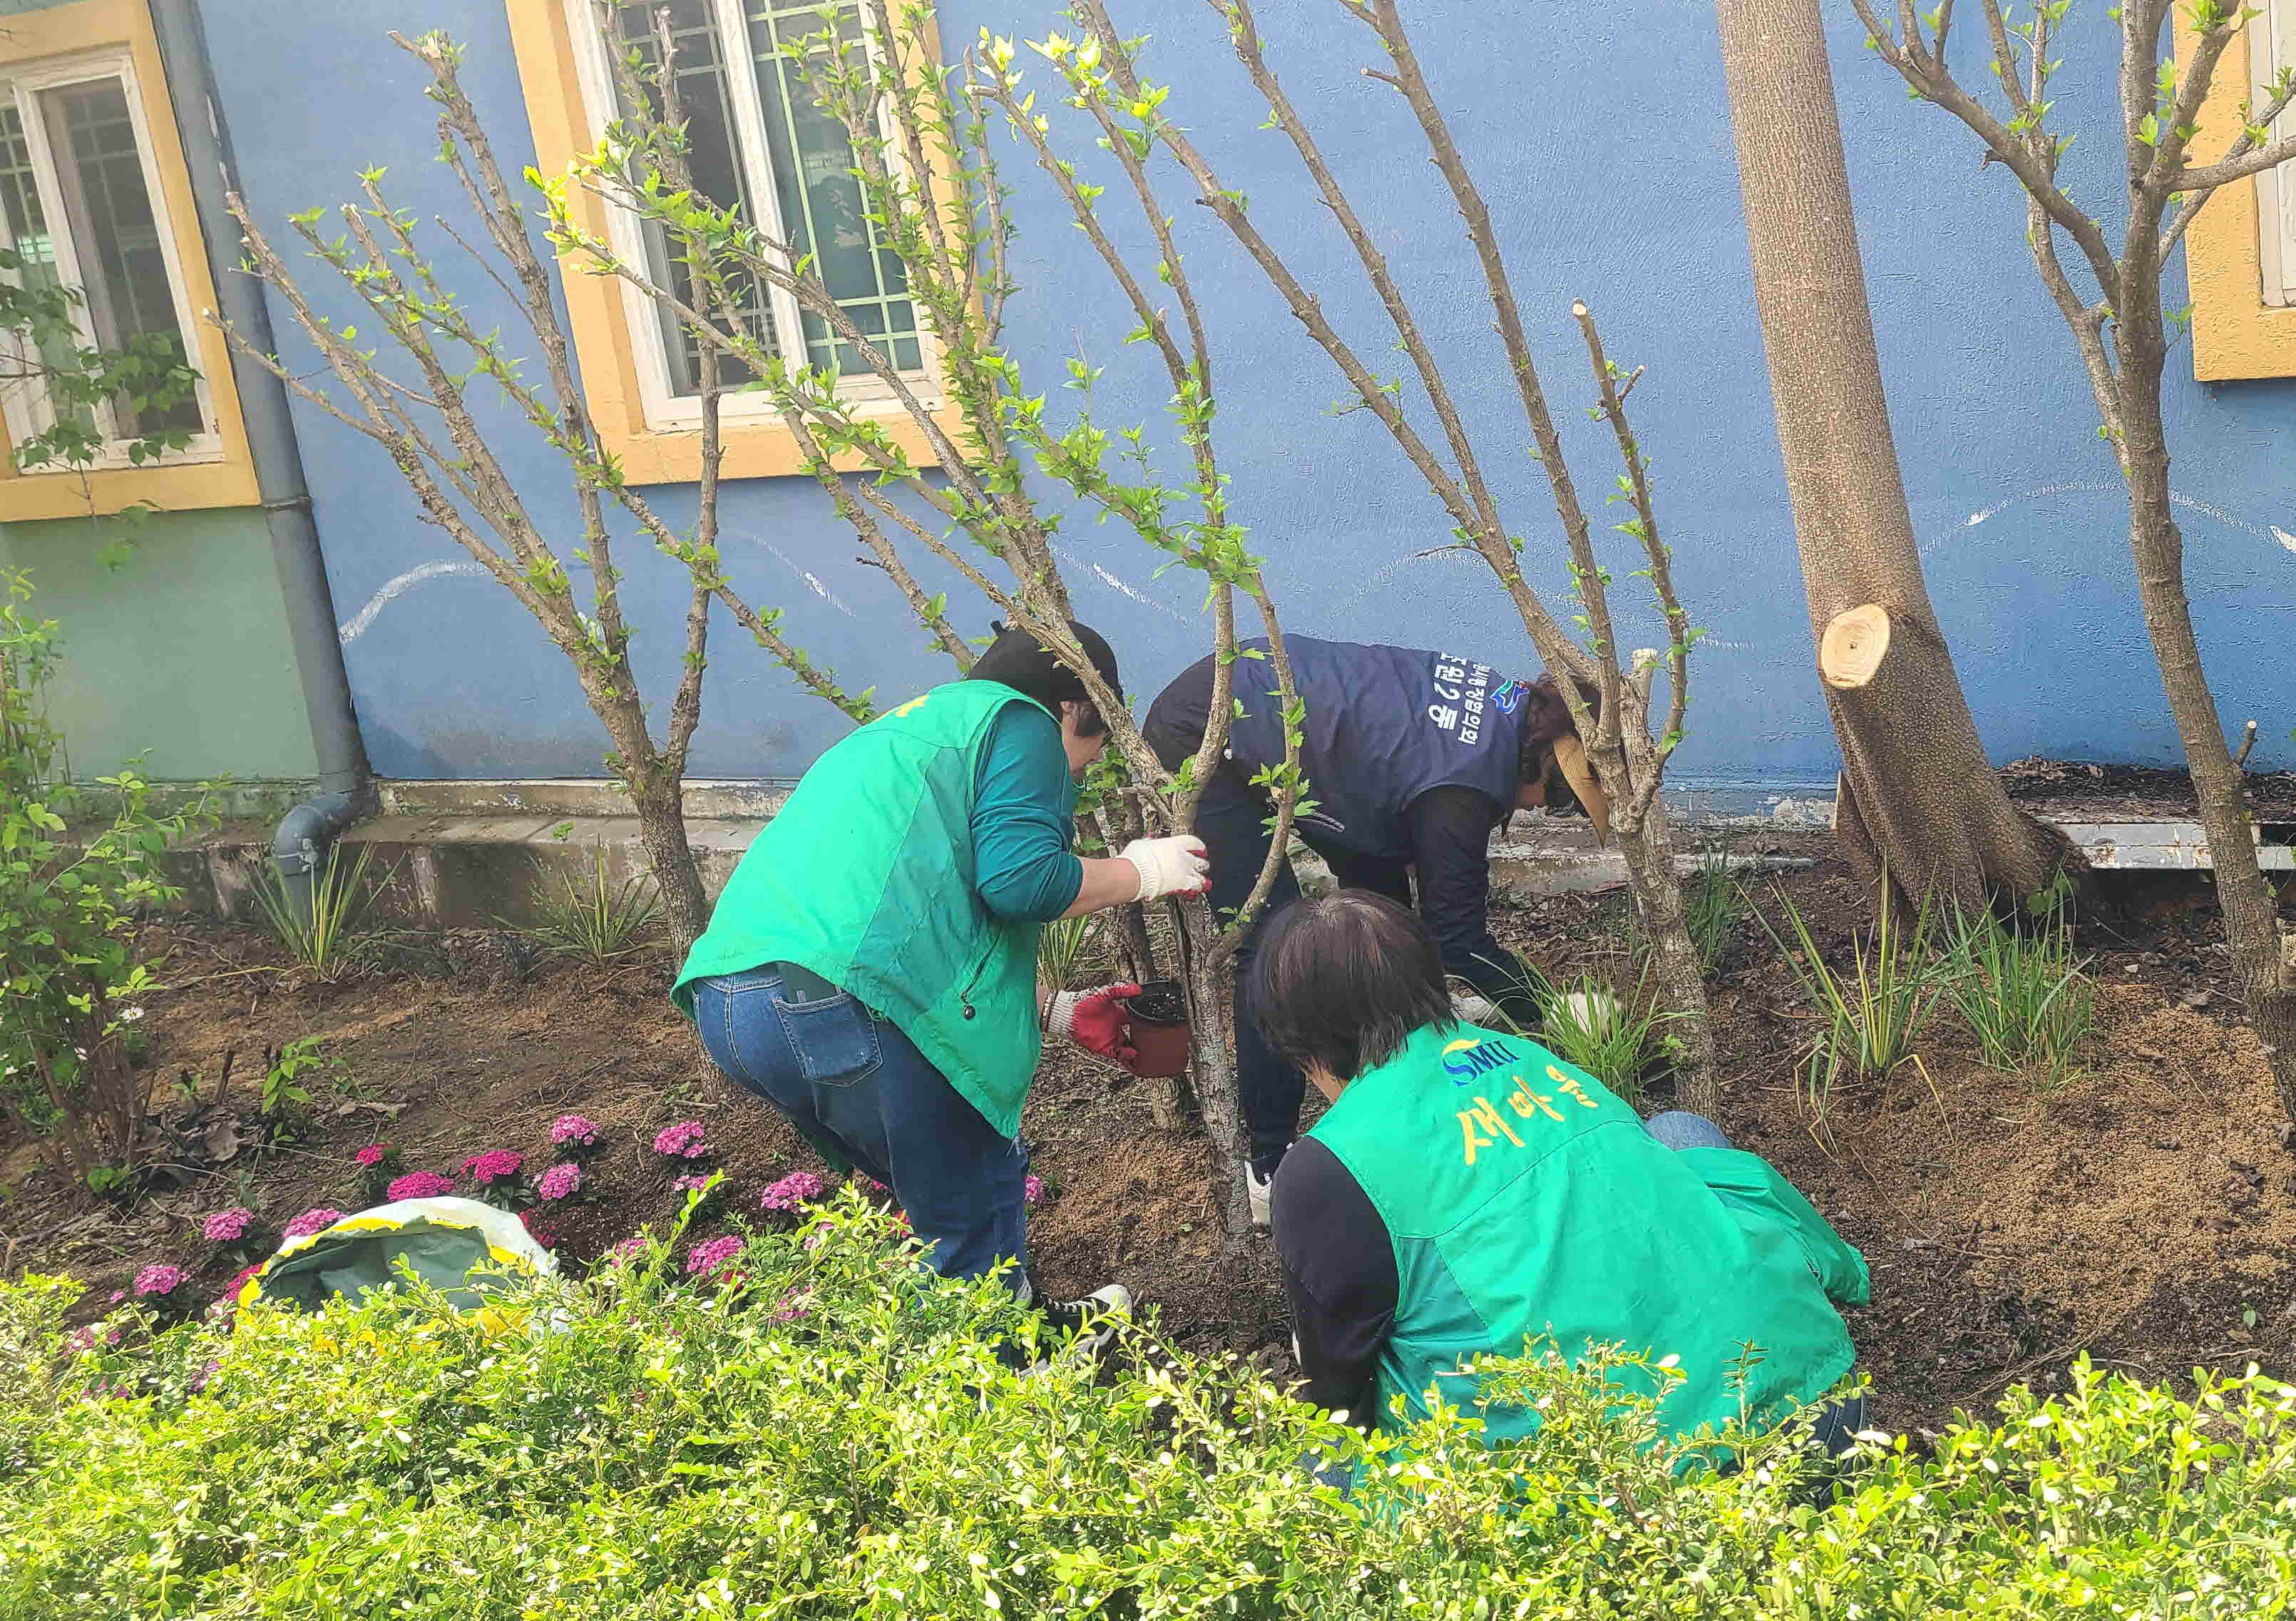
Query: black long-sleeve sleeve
1337,1265
1451,850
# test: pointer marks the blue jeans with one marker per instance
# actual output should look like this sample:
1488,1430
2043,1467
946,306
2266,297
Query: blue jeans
861,1093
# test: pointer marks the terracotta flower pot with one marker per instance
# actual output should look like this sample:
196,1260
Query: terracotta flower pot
1157,1026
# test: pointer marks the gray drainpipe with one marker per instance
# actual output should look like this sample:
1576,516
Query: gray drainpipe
300,844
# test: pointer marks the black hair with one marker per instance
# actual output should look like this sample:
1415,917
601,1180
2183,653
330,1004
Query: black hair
1342,982
1020,662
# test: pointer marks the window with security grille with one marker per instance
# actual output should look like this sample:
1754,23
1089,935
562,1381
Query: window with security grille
756,141
81,207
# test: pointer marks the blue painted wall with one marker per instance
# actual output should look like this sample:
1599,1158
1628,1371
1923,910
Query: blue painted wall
1605,151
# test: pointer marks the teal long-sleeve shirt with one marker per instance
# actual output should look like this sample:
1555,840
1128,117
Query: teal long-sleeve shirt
1023,817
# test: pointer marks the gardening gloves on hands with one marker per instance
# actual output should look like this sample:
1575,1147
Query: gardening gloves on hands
1173,866
1093,1020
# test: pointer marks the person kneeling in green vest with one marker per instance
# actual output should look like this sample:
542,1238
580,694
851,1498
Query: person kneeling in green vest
1467,1192
871,968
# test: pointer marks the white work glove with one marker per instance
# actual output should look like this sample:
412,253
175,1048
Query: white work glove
1175,866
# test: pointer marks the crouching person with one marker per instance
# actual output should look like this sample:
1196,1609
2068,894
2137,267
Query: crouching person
1467,1191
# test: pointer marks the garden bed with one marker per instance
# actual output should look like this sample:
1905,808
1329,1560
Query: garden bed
2144,1212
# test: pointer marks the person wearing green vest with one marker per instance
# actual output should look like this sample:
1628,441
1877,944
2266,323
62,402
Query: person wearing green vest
1467,1192
871,968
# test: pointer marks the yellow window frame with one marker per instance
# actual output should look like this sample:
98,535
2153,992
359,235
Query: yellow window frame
2235,334
224,477
598,309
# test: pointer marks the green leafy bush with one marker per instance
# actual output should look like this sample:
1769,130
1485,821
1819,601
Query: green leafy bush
69,897
831,1436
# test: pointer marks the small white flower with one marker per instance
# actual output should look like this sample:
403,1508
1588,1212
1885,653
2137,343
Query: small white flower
128,1016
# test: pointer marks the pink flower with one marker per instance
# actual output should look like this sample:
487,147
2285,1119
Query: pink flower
1032,1190
796,1189
419,1185
198,1383
560,1182
632,1249
691,1184
495,1166
544,1233
227,1226
228,1300
573,1129
712,1255
868,1183
793,1305
373,1154
685,1140
312,1221
157,1280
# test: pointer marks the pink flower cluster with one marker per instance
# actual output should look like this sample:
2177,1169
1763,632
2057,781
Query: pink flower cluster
574,1129
628,1250
495,1166
228,1301
691,1184
560,1182
159,1279
712,1255
227,1226
688,1140
793,1305
1032,1190
797,1188
868,1183
312,1221
373,1154
419,1185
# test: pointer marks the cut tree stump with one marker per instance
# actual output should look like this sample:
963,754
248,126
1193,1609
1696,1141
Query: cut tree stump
1855,643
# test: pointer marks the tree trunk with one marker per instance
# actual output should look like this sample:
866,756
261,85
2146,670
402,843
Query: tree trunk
1209,979
1919,800
1657,892
678,880
2261,955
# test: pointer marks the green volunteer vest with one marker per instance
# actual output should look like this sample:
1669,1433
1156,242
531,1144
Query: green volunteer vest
865,877
1523,1199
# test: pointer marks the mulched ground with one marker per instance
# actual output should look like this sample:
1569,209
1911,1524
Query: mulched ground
2144,1212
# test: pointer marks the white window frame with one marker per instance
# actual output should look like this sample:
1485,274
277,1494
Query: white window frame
665,411
2272,46
27,409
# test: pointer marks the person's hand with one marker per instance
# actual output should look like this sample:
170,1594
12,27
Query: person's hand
1095,1020
1173,866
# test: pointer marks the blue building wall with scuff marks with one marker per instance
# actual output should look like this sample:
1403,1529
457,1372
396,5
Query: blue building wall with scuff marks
1604,149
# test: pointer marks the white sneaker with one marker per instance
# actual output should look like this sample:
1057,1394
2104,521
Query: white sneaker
1262,1188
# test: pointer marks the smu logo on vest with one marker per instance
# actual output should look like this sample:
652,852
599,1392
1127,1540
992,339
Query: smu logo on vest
1463,1061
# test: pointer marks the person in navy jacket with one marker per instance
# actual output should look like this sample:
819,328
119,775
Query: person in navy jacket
1412,759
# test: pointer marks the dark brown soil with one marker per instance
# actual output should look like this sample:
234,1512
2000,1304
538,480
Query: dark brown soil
2144,1212
2137,788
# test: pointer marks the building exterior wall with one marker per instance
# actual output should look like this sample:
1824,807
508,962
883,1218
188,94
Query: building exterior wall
180,654
1606,155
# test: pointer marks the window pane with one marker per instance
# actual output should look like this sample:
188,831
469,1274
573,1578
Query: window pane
820,203
27,231
109,212
705,103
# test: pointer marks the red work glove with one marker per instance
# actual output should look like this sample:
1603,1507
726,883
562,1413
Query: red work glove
1093,1020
